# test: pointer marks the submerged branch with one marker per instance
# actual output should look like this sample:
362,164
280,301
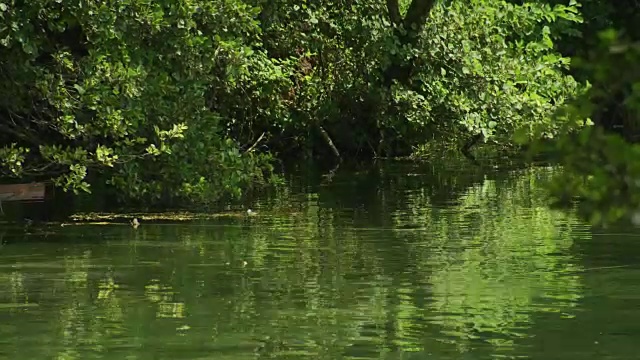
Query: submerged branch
329,142
466,148
328,177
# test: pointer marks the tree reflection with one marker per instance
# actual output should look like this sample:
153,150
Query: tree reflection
327,282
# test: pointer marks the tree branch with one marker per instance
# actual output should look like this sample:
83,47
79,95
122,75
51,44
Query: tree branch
329,142
407,31
417,15
23,135
466,148
255,144
394,12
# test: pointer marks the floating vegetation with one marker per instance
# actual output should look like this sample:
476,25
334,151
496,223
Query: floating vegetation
96,217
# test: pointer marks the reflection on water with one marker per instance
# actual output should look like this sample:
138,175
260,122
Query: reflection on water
372,266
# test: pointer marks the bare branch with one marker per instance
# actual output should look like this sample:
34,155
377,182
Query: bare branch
255,143
23,135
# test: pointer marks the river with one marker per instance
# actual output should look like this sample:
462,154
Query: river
403,261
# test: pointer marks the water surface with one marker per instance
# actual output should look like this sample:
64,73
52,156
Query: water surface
395,262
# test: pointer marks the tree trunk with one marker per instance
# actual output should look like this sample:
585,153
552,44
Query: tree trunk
407,31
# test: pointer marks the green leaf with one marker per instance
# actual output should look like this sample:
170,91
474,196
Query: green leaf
79,89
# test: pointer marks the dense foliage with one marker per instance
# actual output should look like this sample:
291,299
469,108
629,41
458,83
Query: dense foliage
131,90
381,78
188,99
602,166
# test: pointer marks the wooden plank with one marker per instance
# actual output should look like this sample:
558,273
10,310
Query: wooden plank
22,192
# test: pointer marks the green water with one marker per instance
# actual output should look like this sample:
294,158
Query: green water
400,262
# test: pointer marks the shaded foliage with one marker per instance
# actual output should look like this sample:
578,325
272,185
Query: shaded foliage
602,170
